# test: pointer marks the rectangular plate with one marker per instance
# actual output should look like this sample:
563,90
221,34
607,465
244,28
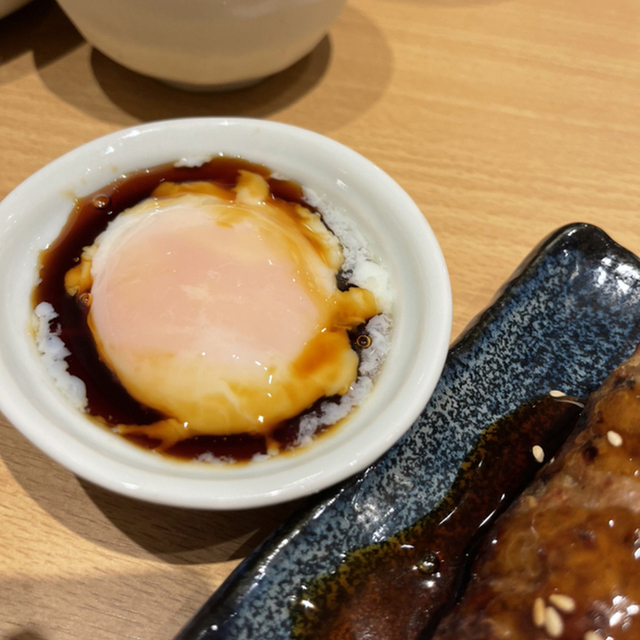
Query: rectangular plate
567,318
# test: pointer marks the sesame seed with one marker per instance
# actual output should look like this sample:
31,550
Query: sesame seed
614,438
563,603
538,453
537,612
553,622
530,501
554,393
592,635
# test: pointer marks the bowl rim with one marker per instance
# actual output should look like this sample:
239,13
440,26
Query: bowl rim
40,413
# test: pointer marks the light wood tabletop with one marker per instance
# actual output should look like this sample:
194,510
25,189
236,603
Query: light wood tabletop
503,119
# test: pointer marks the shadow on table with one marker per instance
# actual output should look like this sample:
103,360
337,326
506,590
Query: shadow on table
147,99
188,536
26,634
176,536
40,28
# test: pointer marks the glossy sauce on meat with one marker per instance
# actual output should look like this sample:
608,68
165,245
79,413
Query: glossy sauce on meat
399,589
563,561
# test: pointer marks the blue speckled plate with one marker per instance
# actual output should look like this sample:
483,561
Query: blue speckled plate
567,318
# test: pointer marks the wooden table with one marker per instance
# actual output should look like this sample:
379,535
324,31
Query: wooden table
502,119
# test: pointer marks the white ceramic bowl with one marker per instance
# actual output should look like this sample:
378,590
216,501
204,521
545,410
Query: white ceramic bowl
204,43
32,216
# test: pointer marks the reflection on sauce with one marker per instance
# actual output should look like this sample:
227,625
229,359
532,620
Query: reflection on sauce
401,588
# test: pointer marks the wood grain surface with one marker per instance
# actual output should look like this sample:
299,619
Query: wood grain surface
503,120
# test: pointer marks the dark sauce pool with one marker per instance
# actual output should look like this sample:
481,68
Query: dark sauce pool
107,399
401,588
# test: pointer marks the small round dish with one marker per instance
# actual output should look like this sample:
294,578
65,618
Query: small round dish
32,216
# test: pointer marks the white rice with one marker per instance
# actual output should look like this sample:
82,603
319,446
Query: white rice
54,352
190,162
360,265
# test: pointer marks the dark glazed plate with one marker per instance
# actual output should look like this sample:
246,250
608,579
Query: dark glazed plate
567,318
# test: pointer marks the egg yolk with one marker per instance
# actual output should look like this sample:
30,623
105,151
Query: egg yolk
220,309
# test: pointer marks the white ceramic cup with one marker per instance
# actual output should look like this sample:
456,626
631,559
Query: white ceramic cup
204,44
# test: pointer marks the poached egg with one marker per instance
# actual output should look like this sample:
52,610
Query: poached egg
220,309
